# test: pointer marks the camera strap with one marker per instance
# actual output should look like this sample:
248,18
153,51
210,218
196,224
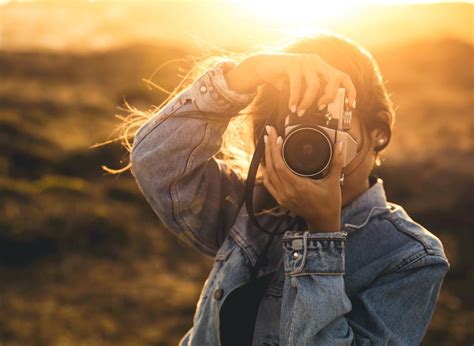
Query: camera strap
249,192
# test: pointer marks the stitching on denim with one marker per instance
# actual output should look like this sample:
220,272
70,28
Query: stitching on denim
413,259
225,249
191,237
292,321
176,210
404,263
399,225
219,91
243,245
305,251
161,117
315,273
348,225
192,155
178,203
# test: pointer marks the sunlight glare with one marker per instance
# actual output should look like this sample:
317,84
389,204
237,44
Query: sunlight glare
298,11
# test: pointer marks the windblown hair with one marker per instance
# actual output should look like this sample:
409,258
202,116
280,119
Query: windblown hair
374,107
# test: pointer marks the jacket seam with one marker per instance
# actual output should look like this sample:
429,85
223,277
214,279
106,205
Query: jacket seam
292,326
161,118
404,267
369,217
406,262
192,238
176,207
315,273
400,228
410,260
247,248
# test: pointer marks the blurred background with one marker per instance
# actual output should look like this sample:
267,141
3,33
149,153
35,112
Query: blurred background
83,258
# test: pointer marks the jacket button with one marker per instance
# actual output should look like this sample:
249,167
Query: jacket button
218,293
203,89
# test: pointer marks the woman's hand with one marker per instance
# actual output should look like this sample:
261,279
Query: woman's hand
300,70
317,201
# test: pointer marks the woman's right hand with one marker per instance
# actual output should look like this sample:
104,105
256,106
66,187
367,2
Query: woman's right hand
295,68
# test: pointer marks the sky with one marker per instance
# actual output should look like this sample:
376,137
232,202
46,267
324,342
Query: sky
82,25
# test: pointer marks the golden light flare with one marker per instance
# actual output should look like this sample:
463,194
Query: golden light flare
297,11
232,24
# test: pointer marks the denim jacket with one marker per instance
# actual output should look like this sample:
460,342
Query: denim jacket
374,282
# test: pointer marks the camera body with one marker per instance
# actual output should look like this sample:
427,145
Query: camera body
308,141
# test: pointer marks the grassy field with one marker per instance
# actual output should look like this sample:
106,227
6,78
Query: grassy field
85,261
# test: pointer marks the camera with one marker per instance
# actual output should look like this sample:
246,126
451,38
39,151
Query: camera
308,141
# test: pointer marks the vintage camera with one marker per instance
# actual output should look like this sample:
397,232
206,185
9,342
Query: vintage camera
308,141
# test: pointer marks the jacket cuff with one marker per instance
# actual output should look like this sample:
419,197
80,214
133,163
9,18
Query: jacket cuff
211,94
314,253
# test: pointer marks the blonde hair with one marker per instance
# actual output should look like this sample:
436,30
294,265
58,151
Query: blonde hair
373,103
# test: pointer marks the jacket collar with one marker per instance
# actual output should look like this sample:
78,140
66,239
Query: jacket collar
368,204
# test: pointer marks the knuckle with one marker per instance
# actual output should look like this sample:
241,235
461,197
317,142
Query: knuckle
334,74
345,77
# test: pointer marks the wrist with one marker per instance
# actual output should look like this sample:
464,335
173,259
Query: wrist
241,78
324,226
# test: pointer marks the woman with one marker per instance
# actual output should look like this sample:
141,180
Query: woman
358,271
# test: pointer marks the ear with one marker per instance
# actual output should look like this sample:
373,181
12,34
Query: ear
378,138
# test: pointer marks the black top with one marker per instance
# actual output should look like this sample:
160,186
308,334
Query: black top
239,312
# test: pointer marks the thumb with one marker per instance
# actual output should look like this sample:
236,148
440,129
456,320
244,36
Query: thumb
336,162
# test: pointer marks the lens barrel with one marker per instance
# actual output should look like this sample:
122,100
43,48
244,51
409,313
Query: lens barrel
307,151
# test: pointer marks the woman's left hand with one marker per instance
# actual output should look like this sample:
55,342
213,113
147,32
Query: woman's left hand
317,201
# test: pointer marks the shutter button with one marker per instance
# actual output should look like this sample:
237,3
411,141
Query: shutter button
203,89
218,293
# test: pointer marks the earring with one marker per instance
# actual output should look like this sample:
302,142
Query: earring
380,142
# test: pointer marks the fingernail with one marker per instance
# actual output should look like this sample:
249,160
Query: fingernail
265,139
293,109
354,104
339,148
279,140
268,129
301,112
321,107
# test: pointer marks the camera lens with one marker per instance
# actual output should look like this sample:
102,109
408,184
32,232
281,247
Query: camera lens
307,151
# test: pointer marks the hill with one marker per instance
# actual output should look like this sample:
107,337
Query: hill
83,259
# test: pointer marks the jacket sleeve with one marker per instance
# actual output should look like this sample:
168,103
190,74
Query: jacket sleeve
195,195
394,310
